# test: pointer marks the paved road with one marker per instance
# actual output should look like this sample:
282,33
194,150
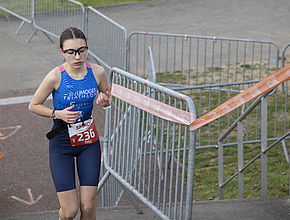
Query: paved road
24,166
252,19
255,209
24,65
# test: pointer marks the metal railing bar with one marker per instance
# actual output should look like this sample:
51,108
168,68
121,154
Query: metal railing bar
136,192
243,116
156,86
285,150
227,144
255,158
202,37
108,19
103,180
15,14
103,63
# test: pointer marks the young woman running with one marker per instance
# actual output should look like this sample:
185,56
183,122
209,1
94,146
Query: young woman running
74,86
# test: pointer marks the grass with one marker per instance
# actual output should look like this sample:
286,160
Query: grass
206,160
211,75
206,173
24,6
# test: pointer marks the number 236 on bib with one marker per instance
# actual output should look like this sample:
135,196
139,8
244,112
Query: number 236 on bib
83,133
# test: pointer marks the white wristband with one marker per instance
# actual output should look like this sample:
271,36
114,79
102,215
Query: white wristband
109,106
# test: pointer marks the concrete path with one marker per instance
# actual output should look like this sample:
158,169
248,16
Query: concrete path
256,209
258,19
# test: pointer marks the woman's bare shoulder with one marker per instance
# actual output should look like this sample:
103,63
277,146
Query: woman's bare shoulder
53,78
54,75
97,69
99,72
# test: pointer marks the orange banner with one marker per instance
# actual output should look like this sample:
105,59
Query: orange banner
253,92
152,106
170,113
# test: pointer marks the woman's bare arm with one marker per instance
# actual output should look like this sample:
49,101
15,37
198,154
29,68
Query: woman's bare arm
104,97
49,84
46,87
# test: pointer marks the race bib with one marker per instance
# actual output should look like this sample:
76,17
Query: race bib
83,133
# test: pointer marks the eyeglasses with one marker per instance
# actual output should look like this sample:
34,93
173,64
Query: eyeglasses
72,52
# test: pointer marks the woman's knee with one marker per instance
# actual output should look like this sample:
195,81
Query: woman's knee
69,204
88,201
87,208
68,214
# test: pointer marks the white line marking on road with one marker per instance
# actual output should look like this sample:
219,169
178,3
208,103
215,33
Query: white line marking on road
17,100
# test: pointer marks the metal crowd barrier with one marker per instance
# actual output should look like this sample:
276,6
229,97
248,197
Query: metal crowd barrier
53,16
239,125
107,45
151,157
200,60
21,9
210,70
285,89
107,39
285,55
111,191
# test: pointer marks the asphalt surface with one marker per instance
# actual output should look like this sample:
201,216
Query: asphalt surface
26,188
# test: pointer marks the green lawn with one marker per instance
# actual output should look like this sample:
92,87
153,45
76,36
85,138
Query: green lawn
206,160
23,8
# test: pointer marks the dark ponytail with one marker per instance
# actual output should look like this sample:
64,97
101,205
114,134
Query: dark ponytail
71,33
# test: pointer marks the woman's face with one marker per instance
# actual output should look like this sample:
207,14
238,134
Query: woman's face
75,52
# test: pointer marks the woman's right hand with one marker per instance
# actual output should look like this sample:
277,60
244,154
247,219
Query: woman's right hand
67,115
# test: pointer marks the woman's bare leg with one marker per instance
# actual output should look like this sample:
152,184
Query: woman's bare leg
68,204
88,202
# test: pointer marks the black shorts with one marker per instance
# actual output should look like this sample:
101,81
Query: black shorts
62,162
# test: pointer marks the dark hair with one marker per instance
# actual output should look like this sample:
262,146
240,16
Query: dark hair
71,33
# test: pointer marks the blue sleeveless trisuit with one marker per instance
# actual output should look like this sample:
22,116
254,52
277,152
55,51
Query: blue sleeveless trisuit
62,156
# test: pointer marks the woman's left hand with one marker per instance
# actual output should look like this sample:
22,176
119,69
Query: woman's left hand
104,99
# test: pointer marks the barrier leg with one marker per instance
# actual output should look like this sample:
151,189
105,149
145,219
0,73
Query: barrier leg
6,15
285,151
34,33
103,181
132,199
51,41
31,36
220,170
264,113
20,26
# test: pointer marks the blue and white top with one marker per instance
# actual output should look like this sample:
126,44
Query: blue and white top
80,93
